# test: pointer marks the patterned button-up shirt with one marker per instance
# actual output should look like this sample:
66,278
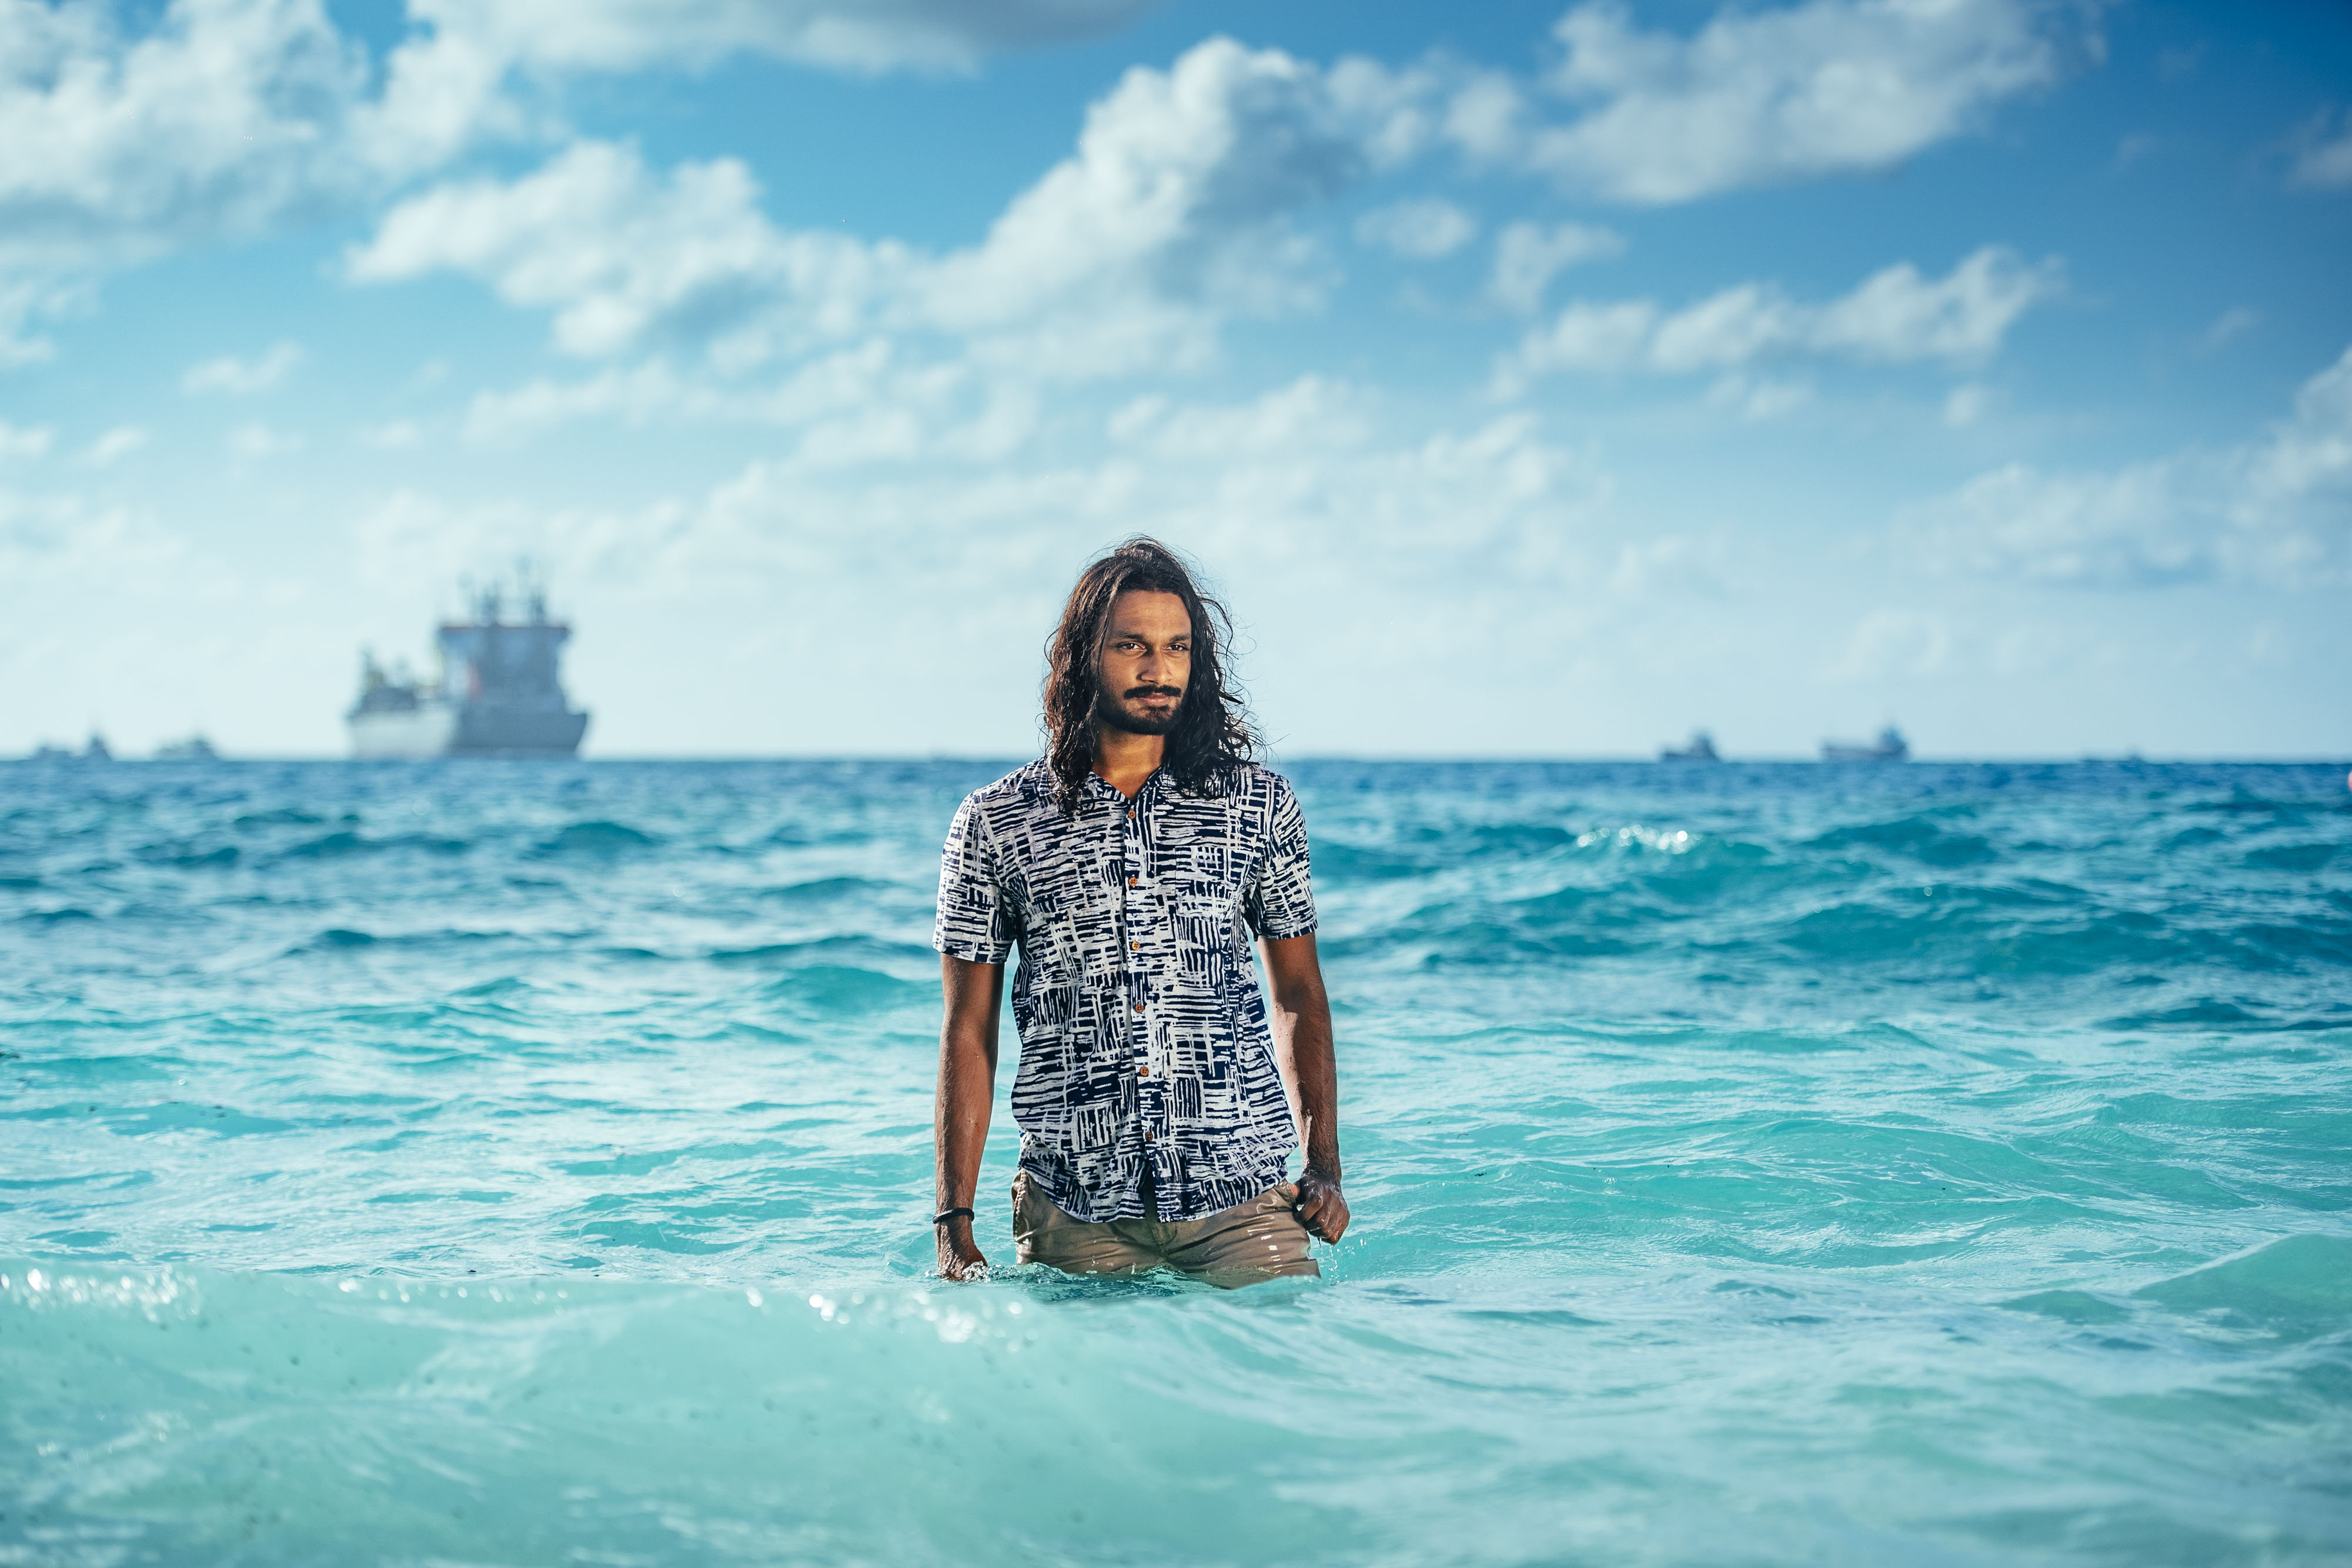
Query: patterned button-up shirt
1143,1035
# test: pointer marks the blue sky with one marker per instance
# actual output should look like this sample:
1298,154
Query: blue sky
1533,379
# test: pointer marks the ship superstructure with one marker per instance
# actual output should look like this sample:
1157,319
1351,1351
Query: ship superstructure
499,692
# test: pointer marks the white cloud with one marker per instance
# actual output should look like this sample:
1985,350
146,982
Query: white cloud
1172,214
1760,397
22,301
394,435
2228,326
115,143
1302,474
1311,414
2276,511
622,255
1423,228
2322,153
1766,96
1527,256
114,445
1966,404
46,539
1894,317
252,443
1895,642
1669,566
242,377
123,136
24,439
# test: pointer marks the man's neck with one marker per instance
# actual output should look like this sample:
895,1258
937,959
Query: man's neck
1124,759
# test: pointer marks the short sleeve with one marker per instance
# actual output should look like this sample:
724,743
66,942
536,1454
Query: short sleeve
973,923
1281,902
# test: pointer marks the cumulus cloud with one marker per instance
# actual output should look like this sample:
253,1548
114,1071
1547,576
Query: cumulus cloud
256,442
24,439
114,445
1894,316
1762,97
1422,229
1171,215
1966,404
1895,642
128,134
2277,510
621,254
47,538
242,377
1527,256
2320,155
116,143
1306,471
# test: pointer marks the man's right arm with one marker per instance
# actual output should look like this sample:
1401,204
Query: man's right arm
967,1089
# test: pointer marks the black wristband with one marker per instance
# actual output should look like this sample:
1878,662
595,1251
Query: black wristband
943,1216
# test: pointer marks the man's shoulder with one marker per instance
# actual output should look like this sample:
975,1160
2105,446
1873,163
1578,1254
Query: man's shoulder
1024,789
1254,782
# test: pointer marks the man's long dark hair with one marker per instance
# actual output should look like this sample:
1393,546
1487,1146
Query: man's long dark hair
1213,730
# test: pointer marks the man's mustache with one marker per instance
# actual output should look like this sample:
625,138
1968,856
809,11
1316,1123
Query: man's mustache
1154,692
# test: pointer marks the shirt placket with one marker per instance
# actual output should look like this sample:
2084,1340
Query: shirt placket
1135,926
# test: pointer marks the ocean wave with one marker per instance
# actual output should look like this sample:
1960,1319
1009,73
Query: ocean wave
596,840
345,842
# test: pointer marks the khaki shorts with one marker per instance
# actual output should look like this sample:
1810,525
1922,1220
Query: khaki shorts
1256,1239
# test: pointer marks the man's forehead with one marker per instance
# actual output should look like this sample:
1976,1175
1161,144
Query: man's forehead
1141,611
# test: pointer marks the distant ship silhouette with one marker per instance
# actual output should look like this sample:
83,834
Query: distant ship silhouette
1890,748
1700,749
498,694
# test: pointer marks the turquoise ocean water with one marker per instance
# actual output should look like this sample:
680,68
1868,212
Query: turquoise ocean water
519,1164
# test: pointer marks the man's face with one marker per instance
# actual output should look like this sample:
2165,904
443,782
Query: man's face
1146,663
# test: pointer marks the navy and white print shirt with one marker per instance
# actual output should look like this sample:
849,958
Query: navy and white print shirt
1143,1035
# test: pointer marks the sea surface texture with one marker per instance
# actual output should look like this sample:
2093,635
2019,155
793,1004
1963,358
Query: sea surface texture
513,1164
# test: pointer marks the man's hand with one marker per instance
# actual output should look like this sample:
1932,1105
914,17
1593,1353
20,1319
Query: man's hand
1321,1207
960,1255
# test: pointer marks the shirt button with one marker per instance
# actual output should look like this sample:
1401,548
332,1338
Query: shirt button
1139,1006
1130,882
1135,946
1131,813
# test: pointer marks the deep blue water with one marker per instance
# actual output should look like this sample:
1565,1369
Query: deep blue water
529,1164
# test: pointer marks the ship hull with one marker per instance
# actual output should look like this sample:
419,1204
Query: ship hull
496,731
439,729
425,730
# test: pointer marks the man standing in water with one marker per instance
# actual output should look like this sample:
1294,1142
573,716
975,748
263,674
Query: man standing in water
1132,864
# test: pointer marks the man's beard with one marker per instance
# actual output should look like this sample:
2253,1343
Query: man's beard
1110,710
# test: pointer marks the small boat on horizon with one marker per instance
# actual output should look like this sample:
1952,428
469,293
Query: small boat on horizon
1890,746
1700,749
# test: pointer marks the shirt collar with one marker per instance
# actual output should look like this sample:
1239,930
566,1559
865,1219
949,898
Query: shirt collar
1101,789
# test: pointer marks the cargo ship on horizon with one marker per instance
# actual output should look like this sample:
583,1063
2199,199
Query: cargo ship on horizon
499,692
1890,746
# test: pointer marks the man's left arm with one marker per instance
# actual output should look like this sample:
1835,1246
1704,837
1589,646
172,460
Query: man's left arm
1302,1050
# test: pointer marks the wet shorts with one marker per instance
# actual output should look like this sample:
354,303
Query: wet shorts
1255,1240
